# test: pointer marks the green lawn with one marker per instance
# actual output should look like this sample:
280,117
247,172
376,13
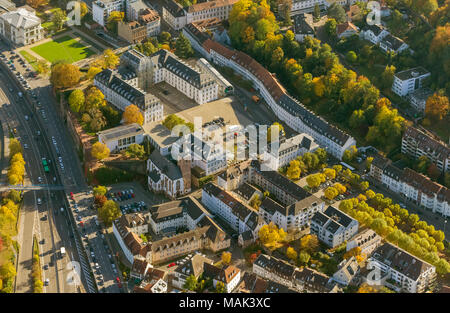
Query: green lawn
64,48
31,59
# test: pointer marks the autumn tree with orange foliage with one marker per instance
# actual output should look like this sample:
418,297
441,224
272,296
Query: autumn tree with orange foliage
437,106
132,114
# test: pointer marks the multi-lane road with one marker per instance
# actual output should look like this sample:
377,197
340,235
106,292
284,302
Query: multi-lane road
52,229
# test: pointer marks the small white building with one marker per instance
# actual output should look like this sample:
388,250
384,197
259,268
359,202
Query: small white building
374,33
347,272
407,81
393,44
121,137
230,276
21,27
346,29
303,26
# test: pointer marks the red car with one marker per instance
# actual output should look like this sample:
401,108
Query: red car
118,279
71,195
132,195
171,264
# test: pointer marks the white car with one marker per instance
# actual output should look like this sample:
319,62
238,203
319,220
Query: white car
40,179
39,201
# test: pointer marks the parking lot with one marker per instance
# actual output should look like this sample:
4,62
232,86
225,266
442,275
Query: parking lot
94,242
132,198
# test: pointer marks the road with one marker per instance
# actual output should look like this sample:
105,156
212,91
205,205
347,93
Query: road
40,221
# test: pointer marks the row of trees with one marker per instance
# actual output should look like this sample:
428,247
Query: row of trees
307,162
312,72
398,226
16,171
9,211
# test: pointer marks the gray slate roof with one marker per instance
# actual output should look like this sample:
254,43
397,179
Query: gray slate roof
165,166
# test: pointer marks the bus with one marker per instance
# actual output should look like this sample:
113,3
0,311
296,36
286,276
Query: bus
45,165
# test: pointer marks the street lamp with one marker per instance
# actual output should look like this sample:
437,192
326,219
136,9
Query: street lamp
445,224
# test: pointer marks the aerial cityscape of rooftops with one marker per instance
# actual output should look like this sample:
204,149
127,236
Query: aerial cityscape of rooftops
224,146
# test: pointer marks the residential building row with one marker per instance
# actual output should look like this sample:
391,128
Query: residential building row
299,280
121,90
285,107
417,143
177,16
411,185
400,270
203,232
380,36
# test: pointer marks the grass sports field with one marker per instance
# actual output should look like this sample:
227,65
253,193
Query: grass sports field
63,48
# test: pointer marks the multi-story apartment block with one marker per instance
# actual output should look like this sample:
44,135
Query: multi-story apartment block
121,137
166,218
285,107
374,33
101,9
291,217
172,179
274,269
238,215
121,90
133,8
417,143
333,227
225,88
409,273
288,150
286,191
300,280
367,240
413,186
21,27
146,24
177,17
418,98
405,82
174,14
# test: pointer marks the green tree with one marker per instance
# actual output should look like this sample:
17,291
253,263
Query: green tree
64,75
304,257
100,190
135,151
336,11
316,12
76,100
109,212
191,283
183,48
164,37
330,27
113,20
220,287
388,76
59,17
351,57
293,171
